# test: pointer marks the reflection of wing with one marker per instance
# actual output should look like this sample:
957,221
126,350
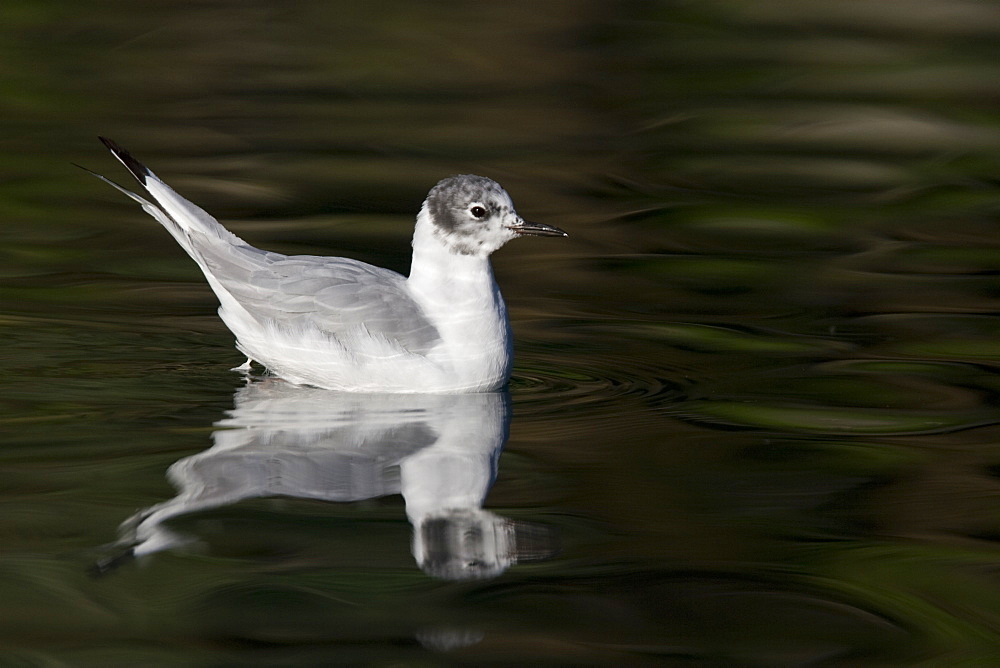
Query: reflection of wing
335,295
249,463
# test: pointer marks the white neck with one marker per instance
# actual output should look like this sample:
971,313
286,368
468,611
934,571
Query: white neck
463,301
436,268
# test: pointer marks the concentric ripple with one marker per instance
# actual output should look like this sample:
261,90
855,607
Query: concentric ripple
548,383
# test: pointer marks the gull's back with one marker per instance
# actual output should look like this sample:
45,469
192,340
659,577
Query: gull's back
337,296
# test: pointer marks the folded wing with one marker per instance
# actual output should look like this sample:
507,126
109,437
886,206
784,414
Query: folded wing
336,295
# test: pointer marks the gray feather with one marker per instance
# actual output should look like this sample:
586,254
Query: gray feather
333,294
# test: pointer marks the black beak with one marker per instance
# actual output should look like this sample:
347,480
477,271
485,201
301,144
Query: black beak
537,229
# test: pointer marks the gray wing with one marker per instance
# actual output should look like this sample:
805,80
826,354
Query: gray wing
331,293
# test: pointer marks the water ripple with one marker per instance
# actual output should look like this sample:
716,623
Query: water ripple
546,384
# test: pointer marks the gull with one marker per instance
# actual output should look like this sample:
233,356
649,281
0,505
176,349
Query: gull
341,324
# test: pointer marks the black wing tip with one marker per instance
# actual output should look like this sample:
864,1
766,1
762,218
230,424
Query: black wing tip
103,567
139,170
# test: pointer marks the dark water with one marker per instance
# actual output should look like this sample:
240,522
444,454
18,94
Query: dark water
753,419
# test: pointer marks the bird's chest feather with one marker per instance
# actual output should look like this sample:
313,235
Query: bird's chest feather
475,322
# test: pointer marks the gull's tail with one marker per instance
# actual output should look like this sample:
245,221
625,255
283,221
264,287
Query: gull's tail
224,258
183,219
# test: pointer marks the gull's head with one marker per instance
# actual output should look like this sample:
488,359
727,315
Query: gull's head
473,215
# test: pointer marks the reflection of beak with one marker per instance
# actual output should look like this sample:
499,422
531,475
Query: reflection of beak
536,229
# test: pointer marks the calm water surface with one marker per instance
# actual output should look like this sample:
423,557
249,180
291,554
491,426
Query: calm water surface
754,413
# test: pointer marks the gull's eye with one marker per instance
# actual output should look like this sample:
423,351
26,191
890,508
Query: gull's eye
477,211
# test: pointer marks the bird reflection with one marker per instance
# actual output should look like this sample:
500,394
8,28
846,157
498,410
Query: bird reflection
439,451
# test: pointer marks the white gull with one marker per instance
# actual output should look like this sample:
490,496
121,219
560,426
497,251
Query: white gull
341,324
